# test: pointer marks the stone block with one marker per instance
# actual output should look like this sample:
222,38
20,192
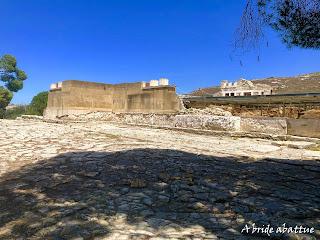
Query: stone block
273,126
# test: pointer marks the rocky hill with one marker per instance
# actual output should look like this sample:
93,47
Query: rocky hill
307,83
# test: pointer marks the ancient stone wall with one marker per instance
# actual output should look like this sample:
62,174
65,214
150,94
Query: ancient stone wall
274,126
304,127
259,125
205,122
77,97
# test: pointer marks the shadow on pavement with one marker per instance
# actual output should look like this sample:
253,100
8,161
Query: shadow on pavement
156,194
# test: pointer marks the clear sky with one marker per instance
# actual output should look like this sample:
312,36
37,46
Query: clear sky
113,41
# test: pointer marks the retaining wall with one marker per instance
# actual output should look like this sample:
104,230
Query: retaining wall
304,127
270,126
275,126
207,122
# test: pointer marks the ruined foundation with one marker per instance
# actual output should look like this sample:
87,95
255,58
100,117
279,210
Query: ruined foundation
259,125
78,97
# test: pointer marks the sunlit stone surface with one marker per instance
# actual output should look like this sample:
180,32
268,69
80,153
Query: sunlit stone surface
105,181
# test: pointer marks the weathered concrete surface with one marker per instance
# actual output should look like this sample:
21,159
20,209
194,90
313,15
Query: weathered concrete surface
104,181
304,127
77,97
277,126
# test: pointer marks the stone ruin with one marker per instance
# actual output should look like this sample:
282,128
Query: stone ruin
79,97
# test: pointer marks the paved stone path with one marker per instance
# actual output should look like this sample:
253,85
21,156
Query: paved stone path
107,181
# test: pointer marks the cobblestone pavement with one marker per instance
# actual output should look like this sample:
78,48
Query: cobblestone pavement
108,181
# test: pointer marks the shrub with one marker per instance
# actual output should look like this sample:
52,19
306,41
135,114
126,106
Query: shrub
15,112
38,104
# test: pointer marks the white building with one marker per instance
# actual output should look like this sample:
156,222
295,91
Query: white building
244,87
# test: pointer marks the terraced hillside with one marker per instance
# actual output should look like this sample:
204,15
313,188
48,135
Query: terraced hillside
281,85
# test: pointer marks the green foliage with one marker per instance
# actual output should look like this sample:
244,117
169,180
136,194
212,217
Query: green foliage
13,78
38,104
14,85
2,113
296,21
15,112
5,77
8,63
21,75
36,107
298,25
5,97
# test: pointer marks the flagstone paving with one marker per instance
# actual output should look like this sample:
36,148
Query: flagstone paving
100,180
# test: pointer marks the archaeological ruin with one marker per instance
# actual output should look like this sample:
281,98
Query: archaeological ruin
243,87
77,97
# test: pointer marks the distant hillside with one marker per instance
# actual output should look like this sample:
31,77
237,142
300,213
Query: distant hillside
205,91
299,84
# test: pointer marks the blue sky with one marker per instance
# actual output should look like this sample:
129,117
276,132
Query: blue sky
113,41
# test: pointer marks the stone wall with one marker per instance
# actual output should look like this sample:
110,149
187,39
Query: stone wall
304,127
206,122
76,97
259,125
274,126
282,126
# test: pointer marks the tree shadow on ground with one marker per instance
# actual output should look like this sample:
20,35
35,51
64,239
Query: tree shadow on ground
145,193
